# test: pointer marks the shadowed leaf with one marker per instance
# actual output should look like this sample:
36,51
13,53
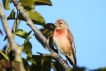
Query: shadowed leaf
3,55
21,33
29,32
35,16
28,48
6,4
43,2
58,66
12,15
46,65
79,69
36,67
102,69
26,2
32,61
26,65
42,63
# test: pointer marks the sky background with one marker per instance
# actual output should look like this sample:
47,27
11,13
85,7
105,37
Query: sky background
87,22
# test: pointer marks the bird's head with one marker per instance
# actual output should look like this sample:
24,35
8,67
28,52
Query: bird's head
62,24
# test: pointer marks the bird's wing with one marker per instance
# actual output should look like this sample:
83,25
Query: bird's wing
72,57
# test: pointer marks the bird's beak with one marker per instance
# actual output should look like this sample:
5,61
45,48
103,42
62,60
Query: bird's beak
56,25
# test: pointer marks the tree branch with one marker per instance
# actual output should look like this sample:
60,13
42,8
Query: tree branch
12,43
38,33
15,25
53,54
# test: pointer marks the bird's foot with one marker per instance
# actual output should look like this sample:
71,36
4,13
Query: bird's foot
65,61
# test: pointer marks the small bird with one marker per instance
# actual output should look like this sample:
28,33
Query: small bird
64,41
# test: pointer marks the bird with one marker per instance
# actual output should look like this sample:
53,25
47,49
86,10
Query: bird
64,41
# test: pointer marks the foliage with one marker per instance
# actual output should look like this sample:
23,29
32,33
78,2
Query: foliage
31,62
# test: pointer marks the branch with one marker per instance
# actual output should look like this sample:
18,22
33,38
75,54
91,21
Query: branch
12,43
38,33
52,55
15,25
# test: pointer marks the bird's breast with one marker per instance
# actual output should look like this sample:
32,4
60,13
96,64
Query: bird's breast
61,41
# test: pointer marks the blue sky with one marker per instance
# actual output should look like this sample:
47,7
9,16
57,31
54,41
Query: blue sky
87,22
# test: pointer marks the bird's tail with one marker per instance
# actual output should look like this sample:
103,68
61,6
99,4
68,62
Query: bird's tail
72,60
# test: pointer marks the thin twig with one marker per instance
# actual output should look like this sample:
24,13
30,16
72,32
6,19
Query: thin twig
12,43
15,25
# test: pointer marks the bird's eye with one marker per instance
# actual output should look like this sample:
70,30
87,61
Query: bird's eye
60,23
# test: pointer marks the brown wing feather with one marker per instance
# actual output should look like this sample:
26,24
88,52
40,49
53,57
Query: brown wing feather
71,40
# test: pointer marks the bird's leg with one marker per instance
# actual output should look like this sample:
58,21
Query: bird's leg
66,58
65,61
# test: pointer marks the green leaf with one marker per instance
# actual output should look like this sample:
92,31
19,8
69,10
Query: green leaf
35,16
26,65
53,67
21,33
34,57
58,66
6,4
32,61
46,65
36,67
12,15
43,2
100,69
4,55
69,69
28,48
26,2
29,32
42,63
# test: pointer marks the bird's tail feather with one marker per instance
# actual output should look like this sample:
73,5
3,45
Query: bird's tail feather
71,60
